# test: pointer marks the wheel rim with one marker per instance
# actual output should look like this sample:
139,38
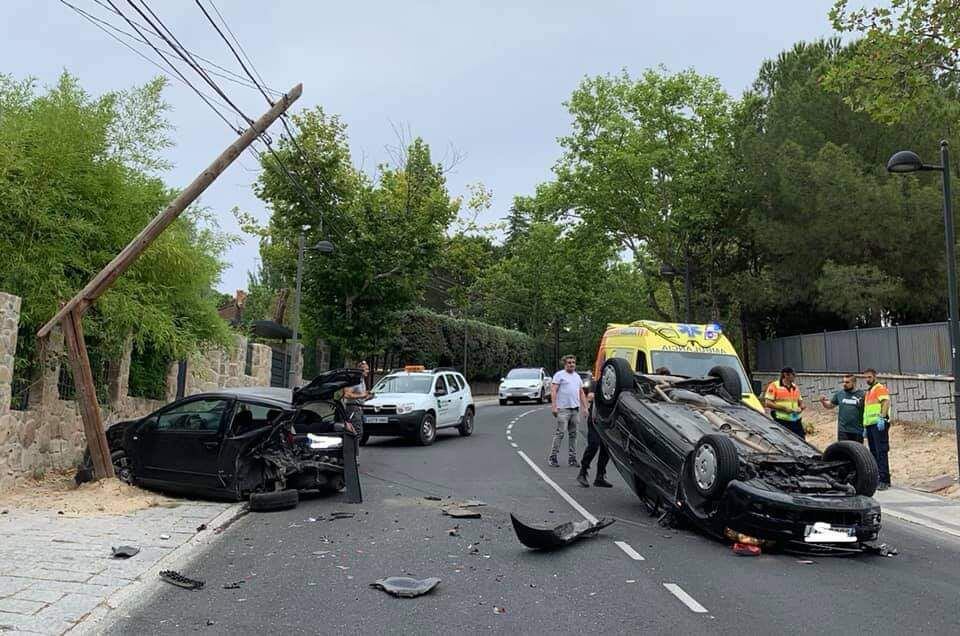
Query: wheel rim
427,429
608,384
705,467
469,422
121,466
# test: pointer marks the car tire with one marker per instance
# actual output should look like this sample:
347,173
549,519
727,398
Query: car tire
714,463
731,380
427,431
540,398
867,474
274,500
616,376
503,402
121,467
466,428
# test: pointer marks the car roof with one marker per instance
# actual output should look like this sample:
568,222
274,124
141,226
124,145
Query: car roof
278,395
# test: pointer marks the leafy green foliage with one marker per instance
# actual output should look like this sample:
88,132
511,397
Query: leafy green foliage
433,340
76,185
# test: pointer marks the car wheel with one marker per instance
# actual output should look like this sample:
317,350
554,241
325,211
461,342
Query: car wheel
274,500
503,402
428,430
122,466
715,464
540,399
866,474
466,428
616,376
731,380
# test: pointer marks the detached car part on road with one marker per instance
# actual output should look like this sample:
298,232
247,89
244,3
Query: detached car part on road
265,444
691,447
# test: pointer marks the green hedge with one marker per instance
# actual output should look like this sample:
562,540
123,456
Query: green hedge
434,340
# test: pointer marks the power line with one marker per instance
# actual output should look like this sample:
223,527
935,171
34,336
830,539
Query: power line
233,50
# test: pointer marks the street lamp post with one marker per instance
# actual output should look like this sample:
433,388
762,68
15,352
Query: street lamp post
908,161
324,247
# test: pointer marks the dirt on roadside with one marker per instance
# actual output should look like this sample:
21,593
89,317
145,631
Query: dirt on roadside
918,452
58,491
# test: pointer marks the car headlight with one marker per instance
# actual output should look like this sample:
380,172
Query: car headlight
533,386
406,408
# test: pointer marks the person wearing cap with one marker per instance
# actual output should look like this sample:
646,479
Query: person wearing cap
876,425
785,402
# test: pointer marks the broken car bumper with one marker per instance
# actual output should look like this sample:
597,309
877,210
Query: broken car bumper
779,516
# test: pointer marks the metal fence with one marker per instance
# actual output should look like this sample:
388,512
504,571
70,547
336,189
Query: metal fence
905,349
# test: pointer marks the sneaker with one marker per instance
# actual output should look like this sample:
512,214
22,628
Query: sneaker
553,462
600,482
883,485
573,462
582,480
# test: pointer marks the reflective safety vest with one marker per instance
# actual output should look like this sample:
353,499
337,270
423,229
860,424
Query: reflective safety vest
784,398
872,409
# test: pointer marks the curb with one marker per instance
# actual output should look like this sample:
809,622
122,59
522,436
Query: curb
925,521
100,618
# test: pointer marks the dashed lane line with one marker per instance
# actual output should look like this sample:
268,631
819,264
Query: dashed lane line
514,444
630,552
685,598
560,491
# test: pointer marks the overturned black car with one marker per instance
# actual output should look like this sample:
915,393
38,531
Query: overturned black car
688,446
263,443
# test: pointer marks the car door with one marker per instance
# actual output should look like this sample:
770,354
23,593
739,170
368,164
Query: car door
457,395
180,445
444,402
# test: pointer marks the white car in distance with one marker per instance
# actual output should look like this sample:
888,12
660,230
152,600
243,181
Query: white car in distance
525,384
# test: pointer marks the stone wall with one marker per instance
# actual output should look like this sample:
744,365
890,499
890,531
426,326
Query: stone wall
49,434
914,398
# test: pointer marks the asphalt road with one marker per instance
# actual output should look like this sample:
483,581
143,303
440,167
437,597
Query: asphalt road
302,573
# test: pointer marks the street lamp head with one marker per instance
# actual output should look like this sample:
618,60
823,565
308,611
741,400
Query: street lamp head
324,247
905,161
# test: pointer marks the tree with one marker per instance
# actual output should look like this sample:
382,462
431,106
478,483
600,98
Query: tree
77,183
387,231
908,58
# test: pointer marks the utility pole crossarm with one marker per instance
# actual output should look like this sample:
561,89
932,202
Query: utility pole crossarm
105,278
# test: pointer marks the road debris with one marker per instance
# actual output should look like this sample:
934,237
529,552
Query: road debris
461,513
546,537
454,531
499,610
746,549
804,561
201,527
164,537
405,586
175,578
341,515
234,586
473,503
433,498
125,551
883,550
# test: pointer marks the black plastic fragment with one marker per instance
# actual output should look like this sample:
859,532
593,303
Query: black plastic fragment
125,551
406,587
175,578
541,536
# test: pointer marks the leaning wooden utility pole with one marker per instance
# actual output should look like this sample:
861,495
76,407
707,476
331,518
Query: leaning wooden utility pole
70,315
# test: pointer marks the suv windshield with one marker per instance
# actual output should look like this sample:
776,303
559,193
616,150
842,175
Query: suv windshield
404,384
524,374
696,364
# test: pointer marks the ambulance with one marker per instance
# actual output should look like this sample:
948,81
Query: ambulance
686,350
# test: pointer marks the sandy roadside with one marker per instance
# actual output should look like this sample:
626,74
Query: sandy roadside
918,452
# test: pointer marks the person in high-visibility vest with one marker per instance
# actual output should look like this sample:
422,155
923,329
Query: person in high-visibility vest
876,424
785,402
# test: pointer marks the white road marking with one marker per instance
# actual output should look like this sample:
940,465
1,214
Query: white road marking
509,439
685,598
626,547
570,500
513,444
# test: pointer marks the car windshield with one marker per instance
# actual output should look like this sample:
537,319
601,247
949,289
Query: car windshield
404,384
697,364
524,374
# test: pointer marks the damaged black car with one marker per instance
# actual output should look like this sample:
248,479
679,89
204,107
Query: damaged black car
688,447
265,444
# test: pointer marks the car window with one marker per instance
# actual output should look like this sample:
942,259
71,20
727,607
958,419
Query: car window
462,380
696,364
196,415
523,374
404,384
250,416
453,383
441,384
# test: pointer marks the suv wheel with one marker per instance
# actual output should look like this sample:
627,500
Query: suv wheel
466,427
428,430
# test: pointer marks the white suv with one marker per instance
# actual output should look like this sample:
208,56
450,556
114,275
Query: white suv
525,384
416,403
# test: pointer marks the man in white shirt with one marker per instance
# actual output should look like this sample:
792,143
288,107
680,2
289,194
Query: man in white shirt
567,402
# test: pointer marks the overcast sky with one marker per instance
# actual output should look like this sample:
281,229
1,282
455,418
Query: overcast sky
485,78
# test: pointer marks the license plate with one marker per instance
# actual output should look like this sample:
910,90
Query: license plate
375,419
825,533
